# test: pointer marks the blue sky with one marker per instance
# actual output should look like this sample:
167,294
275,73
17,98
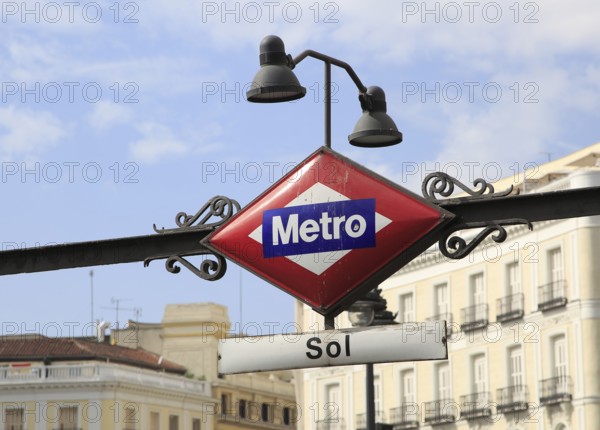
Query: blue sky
118,115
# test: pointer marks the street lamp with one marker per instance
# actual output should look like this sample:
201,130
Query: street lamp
276,82
370,310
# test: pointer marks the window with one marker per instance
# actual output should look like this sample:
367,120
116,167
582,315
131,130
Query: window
67,417
266,414
555,265
479,374
242,408
515,367
154,421
225,403
173,422
195,423
130,416
13,419
442,302
444,389
288,415
407,308
513,283
559,356
377,395
407,386
477,289
332,402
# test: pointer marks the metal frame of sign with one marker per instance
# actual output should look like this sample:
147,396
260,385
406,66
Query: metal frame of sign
384,272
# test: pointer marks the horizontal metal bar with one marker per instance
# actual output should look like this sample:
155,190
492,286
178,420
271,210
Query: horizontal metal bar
326,58
101,252
532,207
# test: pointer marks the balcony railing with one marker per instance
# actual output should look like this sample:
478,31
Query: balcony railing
510,308
443,317
552,295
331,424
405,417
555,390
440,411
475,405
361,419
91,373
512,399
474,317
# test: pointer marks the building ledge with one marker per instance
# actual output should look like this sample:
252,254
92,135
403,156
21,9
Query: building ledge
557,302
474,325
440,419
509,316
555,399
512,407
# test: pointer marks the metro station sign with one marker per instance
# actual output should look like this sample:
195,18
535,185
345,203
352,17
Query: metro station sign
329,231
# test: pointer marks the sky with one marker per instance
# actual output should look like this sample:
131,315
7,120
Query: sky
115,116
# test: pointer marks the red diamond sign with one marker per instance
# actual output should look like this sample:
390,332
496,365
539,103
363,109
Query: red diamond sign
329,231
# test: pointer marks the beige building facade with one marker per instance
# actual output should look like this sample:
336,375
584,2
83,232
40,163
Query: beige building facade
71,384
524,323
189,335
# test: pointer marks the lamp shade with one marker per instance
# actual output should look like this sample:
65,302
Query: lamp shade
275,81
374,128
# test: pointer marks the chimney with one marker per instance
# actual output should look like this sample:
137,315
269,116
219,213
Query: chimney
100,330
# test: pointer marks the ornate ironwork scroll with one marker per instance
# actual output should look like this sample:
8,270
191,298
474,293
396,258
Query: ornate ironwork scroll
456,247
442,184
214,265
209,269
219,207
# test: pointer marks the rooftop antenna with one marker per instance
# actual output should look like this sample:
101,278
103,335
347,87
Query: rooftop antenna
92,293
117,307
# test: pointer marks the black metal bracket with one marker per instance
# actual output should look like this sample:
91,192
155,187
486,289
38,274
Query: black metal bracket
456,247
209,269
443,184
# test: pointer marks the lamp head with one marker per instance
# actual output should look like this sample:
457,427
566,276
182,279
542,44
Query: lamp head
375,128
275,81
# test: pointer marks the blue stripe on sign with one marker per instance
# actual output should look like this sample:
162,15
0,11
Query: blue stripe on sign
320,227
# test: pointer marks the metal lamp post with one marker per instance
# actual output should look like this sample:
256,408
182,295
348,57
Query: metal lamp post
275,82
370,311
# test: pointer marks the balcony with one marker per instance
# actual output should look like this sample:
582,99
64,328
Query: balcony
361,420
512,399
98,374
331,424
475,405
555,390
443,317
510,308
474,317
405,417
552,295
440,411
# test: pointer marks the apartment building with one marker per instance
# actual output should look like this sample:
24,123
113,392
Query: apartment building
82,384
524,324
189,334
150,376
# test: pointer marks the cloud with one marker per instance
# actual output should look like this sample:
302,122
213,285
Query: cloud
28,132
160,143
157,143
107,114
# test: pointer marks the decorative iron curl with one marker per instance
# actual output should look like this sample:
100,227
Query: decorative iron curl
456,247
219,206
210,269
443,184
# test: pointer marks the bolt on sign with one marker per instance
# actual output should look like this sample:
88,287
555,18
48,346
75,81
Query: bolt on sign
329,231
